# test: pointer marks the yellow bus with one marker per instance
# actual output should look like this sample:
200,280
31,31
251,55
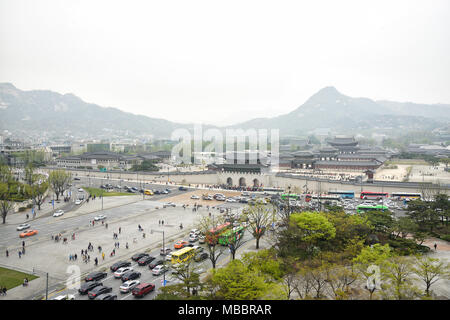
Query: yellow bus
148,192
183,255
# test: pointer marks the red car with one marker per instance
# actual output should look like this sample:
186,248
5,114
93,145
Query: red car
142,289
28,233
180,244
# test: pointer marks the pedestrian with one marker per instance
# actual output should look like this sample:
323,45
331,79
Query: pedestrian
82,251
159,222
96,261
23,243
120,229
20,254
103,222
126,245
118,244
23,250
27,216
76,256
103,255
435,246
7,253
162,222
4,291
106,225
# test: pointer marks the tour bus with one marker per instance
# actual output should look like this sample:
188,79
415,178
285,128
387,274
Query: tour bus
183,255
286,196
231,235
213,234
373,195
343,194
406,196
363,208
148,192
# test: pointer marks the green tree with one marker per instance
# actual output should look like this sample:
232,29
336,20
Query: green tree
430,270
59,181
397,275
381,221
5,200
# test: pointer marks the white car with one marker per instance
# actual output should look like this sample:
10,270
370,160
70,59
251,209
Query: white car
195,197
128,285
119,272
168,257
80,190
169,204
23,226
194,231
65,297
78,202
159,269
58,213
230,200
99,217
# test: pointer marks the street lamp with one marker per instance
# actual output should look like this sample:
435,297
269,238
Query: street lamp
164,250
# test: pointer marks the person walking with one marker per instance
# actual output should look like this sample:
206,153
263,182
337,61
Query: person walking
118,244
20,254
126,245
96,261
23,250
23,243
75,256
7,253
103,255
435,246
4,291
120,230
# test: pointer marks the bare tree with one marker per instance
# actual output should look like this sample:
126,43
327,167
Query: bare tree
5,200
259,219
215,250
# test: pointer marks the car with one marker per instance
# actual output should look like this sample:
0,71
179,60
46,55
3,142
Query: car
76,179
201,239
195,197
23,226
119,264
180,244
164,251
65,297
193,238
220,198
28,233
201,256
195,231
118,187
145,260
230,200
94,293
77,202
130,275
88,286
155,263
168,190
96,275
183,189
142,289
138,256
164,192
127,286
58,213
121,271
160,269
106,296
157,192
80,190
169,204
198,249
100,217
168,257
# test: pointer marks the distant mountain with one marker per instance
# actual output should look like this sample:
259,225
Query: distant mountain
42,110
328,108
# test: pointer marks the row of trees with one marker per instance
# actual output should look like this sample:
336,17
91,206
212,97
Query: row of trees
34,187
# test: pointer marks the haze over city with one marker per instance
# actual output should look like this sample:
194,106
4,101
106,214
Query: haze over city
224,63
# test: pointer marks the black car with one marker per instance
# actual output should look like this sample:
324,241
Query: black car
154,264
183,189
76,179
145,260
94,293
201,256
87,286
119,264
106,296
138,256
94,276
157,192
130,275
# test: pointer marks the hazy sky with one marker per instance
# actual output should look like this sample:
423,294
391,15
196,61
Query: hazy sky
223,62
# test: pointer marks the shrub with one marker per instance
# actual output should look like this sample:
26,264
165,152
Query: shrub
21,209
29,206
445,237
407,246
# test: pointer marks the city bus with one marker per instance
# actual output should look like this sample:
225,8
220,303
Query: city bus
343,194
373,195
364,208
213,235
406,196
148,192
286,196
231,235
183,255
325,197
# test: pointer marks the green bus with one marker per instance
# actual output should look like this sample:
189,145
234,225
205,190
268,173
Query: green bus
231,235
363,208
286,196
